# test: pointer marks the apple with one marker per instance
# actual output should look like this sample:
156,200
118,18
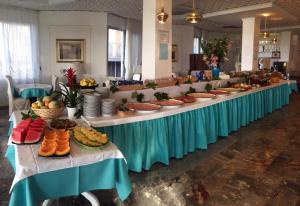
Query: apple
53,105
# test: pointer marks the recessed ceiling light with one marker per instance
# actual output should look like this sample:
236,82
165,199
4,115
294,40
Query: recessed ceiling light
266,14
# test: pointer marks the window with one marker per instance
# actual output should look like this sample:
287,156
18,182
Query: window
116,48
196,47
18,55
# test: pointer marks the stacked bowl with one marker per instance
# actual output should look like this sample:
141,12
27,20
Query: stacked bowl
108,107
92,105
104,91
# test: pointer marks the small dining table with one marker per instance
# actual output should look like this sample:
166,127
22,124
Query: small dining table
39,179
27,91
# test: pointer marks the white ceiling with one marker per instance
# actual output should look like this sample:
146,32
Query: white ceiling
217,13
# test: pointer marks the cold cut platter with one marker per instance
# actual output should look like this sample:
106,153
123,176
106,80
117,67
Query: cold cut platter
200,97
143,107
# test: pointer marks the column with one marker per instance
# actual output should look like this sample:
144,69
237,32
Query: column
157,40
250,43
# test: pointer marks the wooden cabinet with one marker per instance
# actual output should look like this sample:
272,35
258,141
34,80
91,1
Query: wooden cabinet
197,63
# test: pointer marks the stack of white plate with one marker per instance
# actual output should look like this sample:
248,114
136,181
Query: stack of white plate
104,91
92,105
108,107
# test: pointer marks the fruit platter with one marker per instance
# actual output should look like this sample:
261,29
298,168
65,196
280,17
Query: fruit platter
88,83
143,107
55,143
186,99
201,96
89,137
169,103
28,131
47,108
62,124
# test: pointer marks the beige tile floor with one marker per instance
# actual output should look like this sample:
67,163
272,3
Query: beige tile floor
257,166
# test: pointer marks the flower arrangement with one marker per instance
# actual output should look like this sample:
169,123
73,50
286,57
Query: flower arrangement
215,51
71,77
70,91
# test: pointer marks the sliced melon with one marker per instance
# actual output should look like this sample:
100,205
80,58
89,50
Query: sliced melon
47,151
18,135
62,150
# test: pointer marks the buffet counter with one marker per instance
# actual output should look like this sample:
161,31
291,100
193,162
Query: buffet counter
148,138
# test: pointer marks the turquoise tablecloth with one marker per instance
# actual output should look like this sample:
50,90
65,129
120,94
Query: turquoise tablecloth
144,143
107,174
33,92
293,86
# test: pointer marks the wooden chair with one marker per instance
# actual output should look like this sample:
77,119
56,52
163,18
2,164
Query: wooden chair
15,103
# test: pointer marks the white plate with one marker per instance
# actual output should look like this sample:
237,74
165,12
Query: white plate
222,95
146,111
203,99
172,107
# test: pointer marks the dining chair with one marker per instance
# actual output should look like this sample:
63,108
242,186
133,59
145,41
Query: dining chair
137,77
15,103
55,85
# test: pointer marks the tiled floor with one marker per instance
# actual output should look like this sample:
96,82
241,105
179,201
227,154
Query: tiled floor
257,166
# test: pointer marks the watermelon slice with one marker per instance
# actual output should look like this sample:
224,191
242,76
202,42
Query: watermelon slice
32,136
38,129
38,121
18,135
28,131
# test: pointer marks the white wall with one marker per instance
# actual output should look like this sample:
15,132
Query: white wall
91,26
183,36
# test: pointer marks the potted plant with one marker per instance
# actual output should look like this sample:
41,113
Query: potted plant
215,52
70,93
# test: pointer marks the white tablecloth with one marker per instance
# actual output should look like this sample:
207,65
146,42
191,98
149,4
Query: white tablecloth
28,162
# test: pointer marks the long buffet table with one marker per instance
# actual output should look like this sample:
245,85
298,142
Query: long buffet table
38,179
146,139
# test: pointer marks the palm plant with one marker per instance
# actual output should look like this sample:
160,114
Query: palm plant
70,95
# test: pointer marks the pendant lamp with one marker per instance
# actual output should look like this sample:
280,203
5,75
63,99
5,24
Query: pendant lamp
193,17
162,16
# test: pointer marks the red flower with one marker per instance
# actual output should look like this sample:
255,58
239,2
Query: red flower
70,75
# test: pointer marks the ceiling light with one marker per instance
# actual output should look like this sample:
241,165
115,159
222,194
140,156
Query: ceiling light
266,34
274,40
162,16
193,17
266,14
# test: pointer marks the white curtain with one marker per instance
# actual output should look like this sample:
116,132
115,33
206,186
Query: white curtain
19,45
133,48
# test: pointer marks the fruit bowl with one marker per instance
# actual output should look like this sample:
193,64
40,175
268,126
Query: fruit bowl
89,87
49,113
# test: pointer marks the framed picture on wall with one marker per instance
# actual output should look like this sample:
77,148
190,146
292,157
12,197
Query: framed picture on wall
70,50
163,36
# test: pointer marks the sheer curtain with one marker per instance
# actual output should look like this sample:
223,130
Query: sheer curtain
133,48
19,45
